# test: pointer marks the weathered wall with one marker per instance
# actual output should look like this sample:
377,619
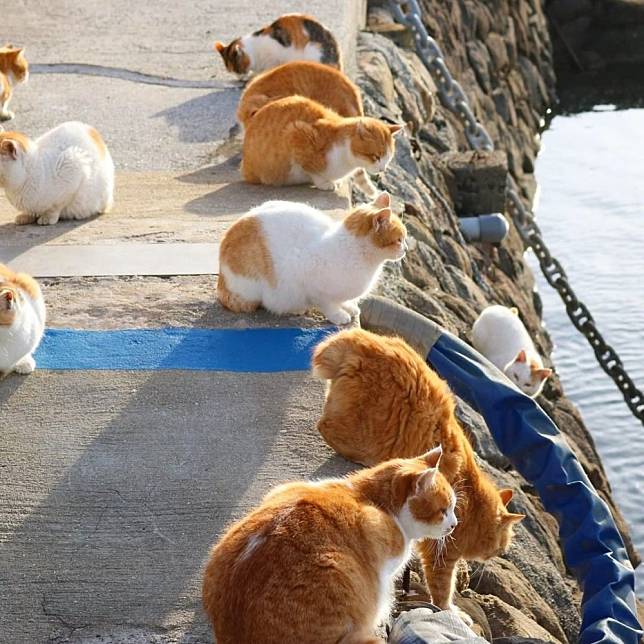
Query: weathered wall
500,52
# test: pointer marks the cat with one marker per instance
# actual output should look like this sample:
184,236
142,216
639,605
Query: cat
14,69
320,83
296,140
289,257
22,321
67,173
316,561
291,37
383,402
500,336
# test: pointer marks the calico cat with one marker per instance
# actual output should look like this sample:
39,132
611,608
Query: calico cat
296,140
14,69
291,37
500,336
22,321
315,562
383,401
289,257
67,173
320,83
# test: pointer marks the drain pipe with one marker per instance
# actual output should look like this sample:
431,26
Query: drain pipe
484,228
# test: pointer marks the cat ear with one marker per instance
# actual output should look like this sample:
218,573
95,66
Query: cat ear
506,496
542,374
383,200
9,148
433,457
521,356
510,517
396,129
219,46
381,218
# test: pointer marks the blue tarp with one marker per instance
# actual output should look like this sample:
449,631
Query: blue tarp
592,545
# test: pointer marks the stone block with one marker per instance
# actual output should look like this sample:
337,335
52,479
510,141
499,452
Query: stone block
477,180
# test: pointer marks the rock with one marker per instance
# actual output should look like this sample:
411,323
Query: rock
503,579
505,620
497,47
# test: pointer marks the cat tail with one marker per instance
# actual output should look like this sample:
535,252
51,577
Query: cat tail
249,107
332,356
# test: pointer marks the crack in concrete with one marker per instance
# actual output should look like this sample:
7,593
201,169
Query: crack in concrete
130,75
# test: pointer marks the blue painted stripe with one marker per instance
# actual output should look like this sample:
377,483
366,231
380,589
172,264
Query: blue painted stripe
241,350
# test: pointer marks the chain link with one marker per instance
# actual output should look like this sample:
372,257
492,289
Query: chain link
453,97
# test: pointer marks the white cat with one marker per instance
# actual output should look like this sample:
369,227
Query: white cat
289,257
22,321
67,173
500,336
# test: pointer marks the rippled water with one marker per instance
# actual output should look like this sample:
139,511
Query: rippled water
591,211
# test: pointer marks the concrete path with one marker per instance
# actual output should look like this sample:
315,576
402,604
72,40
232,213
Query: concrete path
114,484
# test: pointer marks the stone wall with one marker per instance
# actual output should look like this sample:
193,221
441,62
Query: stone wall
500,52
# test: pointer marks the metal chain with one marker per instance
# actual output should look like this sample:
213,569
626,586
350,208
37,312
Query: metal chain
408,13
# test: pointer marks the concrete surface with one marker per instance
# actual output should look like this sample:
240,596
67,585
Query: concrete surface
114,491
113,485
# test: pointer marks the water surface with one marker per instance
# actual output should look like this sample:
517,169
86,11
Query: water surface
591,211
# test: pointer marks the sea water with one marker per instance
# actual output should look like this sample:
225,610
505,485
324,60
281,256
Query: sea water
590,208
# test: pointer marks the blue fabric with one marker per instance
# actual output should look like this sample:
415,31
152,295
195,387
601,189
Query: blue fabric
241,350
592,545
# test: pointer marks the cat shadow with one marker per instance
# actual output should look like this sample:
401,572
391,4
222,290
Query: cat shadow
204,118
165,460
233,195
335,466
14,239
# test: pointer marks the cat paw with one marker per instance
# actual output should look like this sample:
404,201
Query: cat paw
6,116
25,366
48,220
338,317
25,218
323,184
352,309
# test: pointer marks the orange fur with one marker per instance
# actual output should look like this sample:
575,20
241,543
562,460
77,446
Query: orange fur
320,83
297,130
10,141
11,286
383,401
243,249
98,142
305,565
14,63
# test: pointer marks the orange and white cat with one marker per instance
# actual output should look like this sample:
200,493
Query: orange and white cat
291,37
500,336
22,321
289,257
14,69
320,83
296,140
316,561
67,173
383,401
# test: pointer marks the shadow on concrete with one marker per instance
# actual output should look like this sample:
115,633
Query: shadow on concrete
24,237
204,118
116,484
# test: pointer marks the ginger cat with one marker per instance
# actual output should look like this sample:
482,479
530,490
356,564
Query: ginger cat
500,336
14,69
383,401
67,173
293,36
320,83
22,321
315,562
296,140
289,257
